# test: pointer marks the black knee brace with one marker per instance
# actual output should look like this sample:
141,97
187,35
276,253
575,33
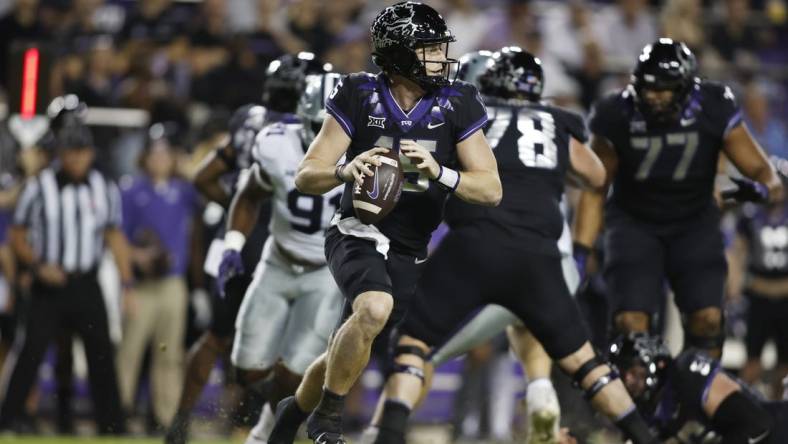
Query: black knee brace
599,383
405,368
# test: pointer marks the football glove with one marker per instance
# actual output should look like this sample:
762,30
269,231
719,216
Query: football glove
746,191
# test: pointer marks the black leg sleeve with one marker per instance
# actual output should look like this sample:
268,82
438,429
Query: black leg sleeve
741,420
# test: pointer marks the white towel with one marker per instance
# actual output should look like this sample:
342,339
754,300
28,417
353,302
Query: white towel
351,226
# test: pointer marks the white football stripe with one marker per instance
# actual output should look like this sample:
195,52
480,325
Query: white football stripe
388,161
366,206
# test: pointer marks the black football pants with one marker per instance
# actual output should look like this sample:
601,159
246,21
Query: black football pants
79,307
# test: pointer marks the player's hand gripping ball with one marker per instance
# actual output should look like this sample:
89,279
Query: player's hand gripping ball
378,184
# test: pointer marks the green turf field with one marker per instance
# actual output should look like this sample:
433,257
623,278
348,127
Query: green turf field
59,440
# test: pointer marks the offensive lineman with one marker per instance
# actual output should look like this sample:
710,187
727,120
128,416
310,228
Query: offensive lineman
509,255
660,140
691,399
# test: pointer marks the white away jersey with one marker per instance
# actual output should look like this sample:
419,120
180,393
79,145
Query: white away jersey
298,220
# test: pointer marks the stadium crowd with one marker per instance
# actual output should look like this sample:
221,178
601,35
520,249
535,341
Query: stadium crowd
186,66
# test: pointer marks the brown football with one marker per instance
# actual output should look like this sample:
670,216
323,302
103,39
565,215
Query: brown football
378,194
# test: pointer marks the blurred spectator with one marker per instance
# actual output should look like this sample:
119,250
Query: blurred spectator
304,21
570,39
590,74
567,32
153,21
158,211
625,30
7,280
339,14
558,85
350,51
682,20
96,84
469,24
266,41
208,37
21,25
735,35
232,84
763,121
510,26
88,19
761,248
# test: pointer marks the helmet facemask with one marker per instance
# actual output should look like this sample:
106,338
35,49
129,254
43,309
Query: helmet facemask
645,357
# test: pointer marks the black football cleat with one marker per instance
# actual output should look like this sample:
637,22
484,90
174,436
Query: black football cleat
284,431
323,429
177,432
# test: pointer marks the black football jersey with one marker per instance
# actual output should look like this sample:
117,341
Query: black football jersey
666,174
766,231
531,145
364,107
679,409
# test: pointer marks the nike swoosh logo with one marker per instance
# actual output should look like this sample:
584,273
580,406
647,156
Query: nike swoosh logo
376,190
321,439
687,122
758,438
431,126
420,261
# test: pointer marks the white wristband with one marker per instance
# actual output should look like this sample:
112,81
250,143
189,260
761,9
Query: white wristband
449,178
234,240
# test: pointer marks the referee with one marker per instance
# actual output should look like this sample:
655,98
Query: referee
62,220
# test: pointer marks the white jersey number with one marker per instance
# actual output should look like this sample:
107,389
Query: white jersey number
415,182
309,207
536,146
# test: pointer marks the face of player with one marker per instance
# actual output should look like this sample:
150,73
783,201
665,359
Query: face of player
76,161
433,56
635,380
659,101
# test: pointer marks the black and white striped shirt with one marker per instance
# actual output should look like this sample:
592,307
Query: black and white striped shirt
66,220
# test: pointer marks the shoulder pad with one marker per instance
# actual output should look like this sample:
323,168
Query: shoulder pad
360,78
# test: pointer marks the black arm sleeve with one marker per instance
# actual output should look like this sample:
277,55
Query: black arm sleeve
741,420
575,125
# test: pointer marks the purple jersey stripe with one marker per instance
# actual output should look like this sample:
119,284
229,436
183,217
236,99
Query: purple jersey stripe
472,129
705,395
344,122
732,123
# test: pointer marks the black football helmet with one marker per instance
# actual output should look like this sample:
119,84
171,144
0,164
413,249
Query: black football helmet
513,74
665,65
647,351
400,33
285,79
474,64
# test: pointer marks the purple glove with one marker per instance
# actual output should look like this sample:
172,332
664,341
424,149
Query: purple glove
231,266
580,253
746,191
